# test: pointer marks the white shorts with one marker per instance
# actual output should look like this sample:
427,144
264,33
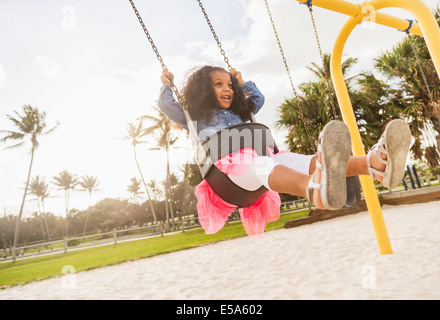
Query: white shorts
257,174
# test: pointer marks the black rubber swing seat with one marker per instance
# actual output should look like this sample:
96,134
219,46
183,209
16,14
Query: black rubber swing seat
229,140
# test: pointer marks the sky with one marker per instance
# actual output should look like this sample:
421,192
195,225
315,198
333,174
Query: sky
89,65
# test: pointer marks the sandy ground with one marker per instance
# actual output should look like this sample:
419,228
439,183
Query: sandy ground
334,259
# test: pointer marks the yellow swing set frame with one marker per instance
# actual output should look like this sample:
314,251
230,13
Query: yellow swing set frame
426,26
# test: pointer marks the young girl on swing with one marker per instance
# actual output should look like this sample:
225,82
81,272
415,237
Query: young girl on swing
218,99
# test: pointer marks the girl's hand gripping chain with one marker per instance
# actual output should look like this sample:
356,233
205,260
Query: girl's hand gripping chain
167,77
237,74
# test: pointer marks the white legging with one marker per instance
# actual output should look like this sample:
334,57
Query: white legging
258,172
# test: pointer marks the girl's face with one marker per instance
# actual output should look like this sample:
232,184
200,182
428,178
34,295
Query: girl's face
221,81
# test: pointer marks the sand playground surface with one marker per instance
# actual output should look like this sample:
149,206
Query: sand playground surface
333,259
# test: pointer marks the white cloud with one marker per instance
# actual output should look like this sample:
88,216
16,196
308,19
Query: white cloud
51,70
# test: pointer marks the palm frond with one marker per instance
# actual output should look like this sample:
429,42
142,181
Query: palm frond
89,183
14,146
52,129
11,135
66,180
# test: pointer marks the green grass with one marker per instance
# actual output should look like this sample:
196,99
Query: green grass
32,269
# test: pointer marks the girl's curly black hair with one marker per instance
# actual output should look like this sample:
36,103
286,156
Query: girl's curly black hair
198,95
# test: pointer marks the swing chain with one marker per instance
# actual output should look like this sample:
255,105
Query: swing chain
222,51
435,106
156,51
281,49
422,72
315,29
289,75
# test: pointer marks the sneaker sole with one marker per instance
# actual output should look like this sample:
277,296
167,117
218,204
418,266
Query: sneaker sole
397,142
335,147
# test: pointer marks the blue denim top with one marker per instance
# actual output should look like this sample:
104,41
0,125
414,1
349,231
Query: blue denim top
222,118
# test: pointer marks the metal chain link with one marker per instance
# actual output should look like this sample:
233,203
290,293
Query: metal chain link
290,77
425,80
422,72
156,51
222,51
332,101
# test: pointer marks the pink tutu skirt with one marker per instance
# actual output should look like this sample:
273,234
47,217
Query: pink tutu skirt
213,211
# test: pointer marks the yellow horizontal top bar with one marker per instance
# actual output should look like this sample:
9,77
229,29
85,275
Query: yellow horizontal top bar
354,10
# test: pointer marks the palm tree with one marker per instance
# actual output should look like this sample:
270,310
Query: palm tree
191,173
373,101
135,187
318,70
39,188
373,106
31,124
155,190
45,194
316,102
408,65
161,129
90,184
135,132
66,181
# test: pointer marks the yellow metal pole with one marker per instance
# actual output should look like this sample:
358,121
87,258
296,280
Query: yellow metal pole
431,32
355,10
369,190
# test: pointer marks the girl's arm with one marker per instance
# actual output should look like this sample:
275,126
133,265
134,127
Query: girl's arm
250,88
255,94
167,103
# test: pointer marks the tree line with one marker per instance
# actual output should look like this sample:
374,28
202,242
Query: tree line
30,124
105,215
